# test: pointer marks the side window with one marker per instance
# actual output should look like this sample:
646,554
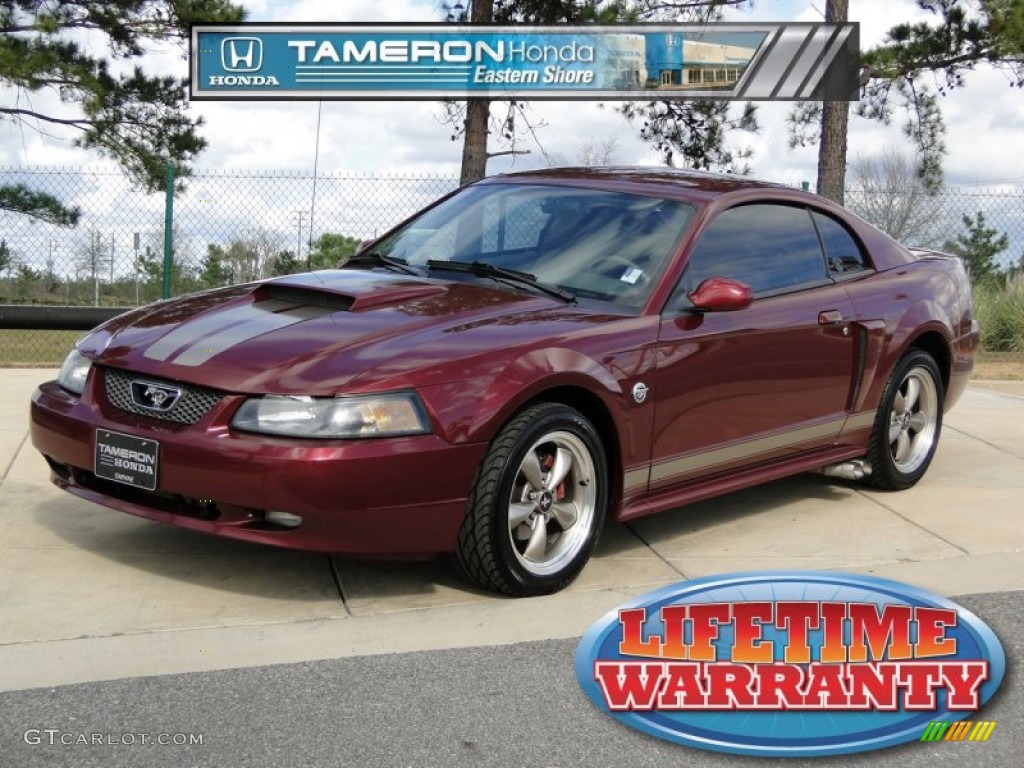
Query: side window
769,247
841,249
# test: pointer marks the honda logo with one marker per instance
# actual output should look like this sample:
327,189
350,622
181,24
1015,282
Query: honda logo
241,54
154,397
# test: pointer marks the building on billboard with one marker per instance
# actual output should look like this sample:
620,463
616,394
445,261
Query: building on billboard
675,62
626,61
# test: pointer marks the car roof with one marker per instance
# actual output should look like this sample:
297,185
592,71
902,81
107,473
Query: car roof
675,182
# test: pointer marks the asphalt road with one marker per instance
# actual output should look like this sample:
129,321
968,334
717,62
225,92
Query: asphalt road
516,705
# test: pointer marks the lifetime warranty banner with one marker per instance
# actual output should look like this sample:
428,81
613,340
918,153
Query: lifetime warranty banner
650,61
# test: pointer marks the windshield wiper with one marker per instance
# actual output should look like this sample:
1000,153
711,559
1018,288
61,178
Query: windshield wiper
483,269
380,260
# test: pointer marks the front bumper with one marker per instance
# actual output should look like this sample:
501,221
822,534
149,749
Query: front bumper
391,497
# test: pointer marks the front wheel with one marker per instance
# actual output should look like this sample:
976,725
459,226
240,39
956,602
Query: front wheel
538,504
907,426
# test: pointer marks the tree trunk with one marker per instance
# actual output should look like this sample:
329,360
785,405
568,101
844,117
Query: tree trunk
835,116
474,142
832,150
478,112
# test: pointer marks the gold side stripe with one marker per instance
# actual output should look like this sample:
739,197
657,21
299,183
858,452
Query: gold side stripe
695,462
859,421
634,479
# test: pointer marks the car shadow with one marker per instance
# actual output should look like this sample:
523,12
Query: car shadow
383,586
369,586
178,554
745,504
380,586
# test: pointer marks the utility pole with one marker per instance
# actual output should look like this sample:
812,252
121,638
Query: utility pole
136,243
51,274
168,230
94,252
300,220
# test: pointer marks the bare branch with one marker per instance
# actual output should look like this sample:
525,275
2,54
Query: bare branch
886,190
77,123
508,152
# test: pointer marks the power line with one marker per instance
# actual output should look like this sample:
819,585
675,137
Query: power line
984,182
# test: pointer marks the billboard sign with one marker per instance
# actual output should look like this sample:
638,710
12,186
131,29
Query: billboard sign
651,61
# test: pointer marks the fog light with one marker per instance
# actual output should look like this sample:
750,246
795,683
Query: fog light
285,519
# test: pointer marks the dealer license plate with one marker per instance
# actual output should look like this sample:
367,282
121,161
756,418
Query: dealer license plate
126,459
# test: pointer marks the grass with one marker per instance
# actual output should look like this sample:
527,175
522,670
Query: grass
35,349
999,366
1000,312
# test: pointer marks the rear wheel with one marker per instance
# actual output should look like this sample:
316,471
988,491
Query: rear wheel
537,506
908,423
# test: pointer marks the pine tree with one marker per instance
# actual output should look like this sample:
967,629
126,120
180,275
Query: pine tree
978,247
139,120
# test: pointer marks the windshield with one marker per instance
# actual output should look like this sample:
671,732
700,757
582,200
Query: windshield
595,244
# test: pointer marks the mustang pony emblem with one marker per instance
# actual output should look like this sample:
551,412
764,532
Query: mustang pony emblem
154,397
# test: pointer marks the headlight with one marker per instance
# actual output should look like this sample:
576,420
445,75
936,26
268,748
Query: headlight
336,417
73,372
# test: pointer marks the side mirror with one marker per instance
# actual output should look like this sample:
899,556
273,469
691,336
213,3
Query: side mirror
720,294
363,245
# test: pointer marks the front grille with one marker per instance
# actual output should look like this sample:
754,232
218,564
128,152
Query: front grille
194,403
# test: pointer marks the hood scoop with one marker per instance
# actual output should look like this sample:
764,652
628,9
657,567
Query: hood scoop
345,291
304,296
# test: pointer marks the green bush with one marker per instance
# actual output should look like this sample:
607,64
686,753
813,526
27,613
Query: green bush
999,309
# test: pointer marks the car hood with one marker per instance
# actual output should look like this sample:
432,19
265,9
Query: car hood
322,332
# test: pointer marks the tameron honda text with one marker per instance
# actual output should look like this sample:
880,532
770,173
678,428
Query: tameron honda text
789,663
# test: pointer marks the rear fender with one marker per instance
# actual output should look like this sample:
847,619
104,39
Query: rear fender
915,324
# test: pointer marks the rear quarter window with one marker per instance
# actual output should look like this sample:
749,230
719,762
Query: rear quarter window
842,251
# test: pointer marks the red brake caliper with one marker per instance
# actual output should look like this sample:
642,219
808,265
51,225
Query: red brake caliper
546,464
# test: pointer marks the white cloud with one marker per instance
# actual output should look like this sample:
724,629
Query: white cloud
351,10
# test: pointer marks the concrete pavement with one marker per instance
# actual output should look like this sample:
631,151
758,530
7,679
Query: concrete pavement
501,706
93,594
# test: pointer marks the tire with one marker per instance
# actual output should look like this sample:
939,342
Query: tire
527,531
908,424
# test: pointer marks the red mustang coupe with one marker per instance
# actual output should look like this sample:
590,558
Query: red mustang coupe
527,357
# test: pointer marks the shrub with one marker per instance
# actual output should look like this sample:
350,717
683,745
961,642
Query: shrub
999,309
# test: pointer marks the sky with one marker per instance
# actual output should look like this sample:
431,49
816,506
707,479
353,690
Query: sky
985,119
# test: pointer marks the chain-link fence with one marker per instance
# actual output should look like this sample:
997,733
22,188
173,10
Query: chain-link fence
957,219
228,227
235,226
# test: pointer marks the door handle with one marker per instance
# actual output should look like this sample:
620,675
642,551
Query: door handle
830,317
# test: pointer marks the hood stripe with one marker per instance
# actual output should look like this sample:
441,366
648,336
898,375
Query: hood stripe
203,350
192,331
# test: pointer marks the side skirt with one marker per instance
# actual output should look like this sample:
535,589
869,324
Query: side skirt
706,488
